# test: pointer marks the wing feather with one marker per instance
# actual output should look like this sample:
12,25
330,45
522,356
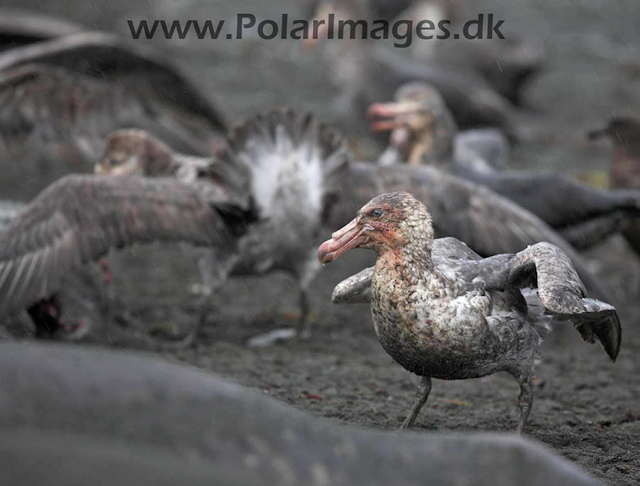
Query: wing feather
80,218
355,289
106,56
489,223
51,105
563,294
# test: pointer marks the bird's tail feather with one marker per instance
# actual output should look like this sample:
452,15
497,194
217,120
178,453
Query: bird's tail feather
287,153
600,321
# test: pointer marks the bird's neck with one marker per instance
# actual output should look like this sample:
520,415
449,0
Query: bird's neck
405,266
432,148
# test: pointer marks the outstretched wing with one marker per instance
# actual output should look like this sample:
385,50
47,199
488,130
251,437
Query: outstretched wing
107,84
563,295
106,56
44,104
355,289
80,218
489,223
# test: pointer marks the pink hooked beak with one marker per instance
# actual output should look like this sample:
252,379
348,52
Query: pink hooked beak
343,240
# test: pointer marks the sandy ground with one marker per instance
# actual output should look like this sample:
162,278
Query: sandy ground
586,408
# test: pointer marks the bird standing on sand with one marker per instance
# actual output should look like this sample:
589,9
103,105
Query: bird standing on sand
443,312
255,207
293,163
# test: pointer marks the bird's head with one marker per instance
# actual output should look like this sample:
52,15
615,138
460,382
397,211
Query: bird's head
390,221
134,152
422,127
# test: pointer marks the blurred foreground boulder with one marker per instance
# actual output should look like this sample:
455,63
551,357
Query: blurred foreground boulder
78,414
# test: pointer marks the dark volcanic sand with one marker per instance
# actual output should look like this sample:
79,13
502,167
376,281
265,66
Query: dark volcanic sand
585,407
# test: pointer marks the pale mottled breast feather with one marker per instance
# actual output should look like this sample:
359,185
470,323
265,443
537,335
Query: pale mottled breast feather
357,288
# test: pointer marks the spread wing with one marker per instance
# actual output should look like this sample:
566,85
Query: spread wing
137,70
547,268
559,199
41,104
355,289
80,218
492,224
489,223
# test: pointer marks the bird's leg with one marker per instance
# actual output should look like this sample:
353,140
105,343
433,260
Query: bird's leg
214,267
525,400
208,278
424,388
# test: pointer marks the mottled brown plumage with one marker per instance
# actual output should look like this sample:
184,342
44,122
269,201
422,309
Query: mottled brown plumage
80,218
443,312
424,132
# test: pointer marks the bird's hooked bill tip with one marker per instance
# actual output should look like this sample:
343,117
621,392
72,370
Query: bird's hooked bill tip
343,240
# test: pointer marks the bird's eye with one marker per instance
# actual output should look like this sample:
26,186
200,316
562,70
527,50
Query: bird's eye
376,213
